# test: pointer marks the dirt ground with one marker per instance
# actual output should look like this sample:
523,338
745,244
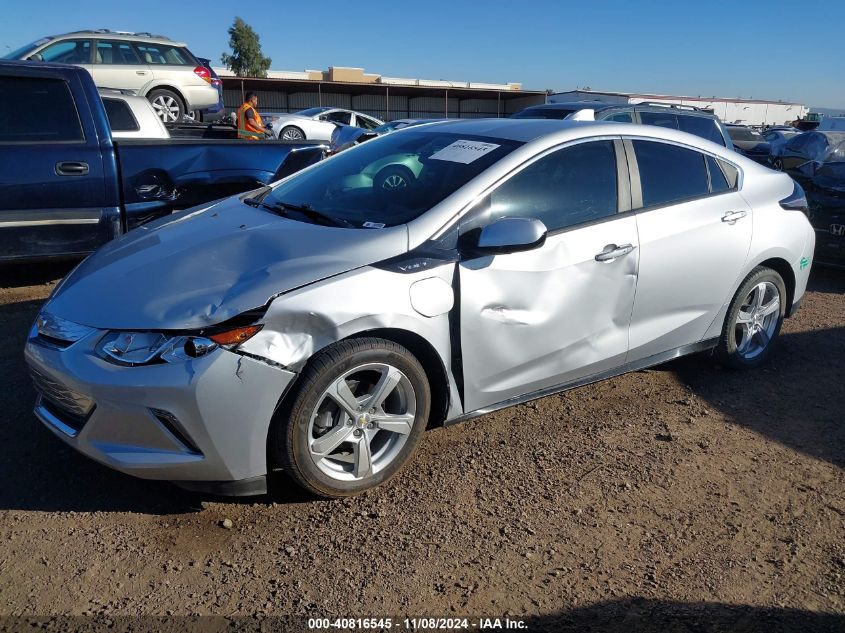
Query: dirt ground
680,498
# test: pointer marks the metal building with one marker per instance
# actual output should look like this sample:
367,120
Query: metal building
383,97
756,112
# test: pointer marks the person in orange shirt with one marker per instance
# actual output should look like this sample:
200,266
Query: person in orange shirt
250,125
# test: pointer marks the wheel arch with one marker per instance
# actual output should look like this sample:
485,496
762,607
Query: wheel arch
167,86
430,360
783,268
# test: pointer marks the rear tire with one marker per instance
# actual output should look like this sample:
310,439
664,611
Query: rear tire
753,321
355,419
291,133
168,105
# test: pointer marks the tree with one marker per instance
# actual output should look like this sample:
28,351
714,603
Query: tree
246,59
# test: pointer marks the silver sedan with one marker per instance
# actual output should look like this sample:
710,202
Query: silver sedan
320,325
317,124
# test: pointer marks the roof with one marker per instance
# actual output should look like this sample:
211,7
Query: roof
106,34
640,95
574,105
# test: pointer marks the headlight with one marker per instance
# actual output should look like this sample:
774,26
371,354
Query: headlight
148,348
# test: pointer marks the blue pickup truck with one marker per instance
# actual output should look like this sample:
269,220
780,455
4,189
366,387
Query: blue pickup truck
66,186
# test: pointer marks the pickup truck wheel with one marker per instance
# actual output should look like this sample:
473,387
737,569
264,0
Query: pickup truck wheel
291,133
167,104
358,413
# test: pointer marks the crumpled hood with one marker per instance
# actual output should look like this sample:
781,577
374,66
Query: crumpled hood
201,267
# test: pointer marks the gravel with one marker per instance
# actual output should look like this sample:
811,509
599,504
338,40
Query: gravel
680,493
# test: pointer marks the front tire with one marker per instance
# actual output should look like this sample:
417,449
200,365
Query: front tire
753,321
167,104
355,420
393,178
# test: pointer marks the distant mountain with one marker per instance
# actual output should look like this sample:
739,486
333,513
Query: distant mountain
829,111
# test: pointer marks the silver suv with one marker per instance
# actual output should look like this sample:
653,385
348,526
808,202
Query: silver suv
153,66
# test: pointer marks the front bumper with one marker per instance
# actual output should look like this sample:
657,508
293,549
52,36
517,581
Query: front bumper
827,215
204,420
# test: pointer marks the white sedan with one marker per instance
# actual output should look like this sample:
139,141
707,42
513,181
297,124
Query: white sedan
317,124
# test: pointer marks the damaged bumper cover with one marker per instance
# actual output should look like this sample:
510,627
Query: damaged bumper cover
202,420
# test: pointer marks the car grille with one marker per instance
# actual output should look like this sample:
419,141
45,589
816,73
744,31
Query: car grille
71,407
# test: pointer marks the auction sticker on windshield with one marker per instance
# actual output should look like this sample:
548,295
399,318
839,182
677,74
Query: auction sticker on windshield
464,151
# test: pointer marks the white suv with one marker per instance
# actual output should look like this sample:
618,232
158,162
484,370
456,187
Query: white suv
155,67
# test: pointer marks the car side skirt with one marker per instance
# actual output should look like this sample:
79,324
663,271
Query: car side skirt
643,363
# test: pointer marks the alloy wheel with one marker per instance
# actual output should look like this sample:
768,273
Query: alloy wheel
361,422
167,108
757,320
292,134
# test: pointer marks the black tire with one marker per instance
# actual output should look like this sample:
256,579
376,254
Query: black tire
727,352
777,164
393,177
288,444
164,99
293,132
193,116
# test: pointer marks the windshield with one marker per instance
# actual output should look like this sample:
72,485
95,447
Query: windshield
23,51
744,134
311,111
393,179
543,113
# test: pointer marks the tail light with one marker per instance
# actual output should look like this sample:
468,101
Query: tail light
796,201
203,73
216,83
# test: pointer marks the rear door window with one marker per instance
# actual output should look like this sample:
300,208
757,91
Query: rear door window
660,119
114,52
718,178
50,115
701,126
622,117
669,173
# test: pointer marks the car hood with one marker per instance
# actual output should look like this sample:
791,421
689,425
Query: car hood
201,267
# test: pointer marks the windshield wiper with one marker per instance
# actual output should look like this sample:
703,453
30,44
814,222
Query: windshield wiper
282,208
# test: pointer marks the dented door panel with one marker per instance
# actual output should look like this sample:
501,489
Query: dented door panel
536,319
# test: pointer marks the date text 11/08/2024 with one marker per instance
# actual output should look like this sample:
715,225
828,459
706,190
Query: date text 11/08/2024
415,624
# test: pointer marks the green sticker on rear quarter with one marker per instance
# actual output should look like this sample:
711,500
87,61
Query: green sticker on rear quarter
805,261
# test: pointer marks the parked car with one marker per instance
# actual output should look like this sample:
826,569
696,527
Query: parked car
317,124
215,111
749,142
153,66
817,160
131,116
69,185
696,121
803,154
321,330
776,137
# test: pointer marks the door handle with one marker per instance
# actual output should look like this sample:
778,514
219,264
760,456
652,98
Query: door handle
140,72
612,251
732,216
72,168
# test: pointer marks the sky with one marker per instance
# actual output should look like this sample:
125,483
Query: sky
762,49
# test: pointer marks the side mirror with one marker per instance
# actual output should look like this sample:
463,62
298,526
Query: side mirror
511,235
35,58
